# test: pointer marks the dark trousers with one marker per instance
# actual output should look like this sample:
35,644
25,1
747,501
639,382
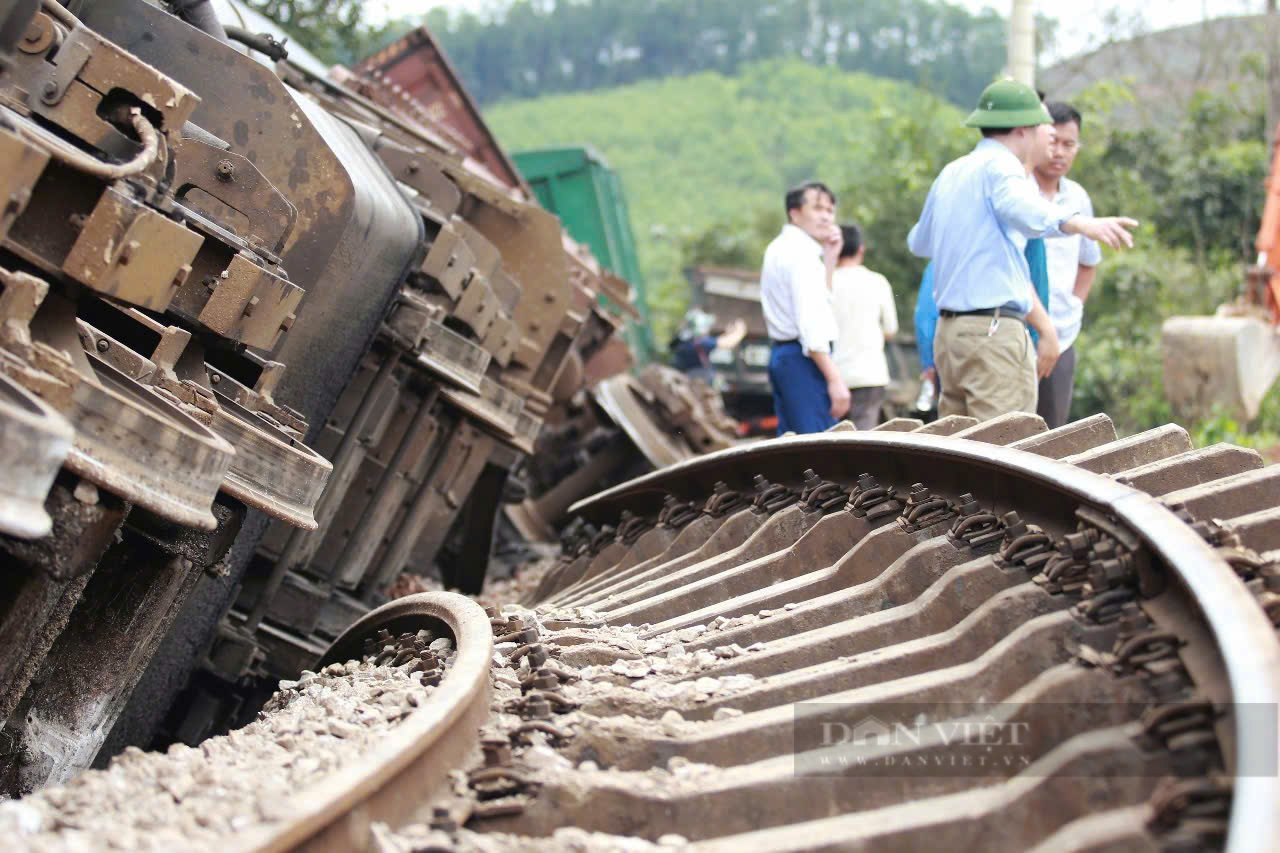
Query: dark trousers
800,398
1054,404
864,406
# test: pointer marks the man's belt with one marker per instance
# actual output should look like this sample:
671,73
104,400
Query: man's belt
796,341
985,312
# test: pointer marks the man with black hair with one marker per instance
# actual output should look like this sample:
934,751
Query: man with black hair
1072,261
977,218
795,281
866,317
693,343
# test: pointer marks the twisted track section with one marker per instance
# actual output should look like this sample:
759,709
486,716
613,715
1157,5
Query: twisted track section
674,681
412,764
1131,580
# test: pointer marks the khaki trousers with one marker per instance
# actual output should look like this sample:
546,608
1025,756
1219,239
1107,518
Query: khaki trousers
983,375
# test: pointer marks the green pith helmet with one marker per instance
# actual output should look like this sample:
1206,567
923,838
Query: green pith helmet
1008,103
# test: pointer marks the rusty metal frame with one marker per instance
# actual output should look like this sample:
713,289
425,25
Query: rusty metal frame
1248,643
615,396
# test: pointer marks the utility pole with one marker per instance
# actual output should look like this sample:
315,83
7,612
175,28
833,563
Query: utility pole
1273,66
1022,42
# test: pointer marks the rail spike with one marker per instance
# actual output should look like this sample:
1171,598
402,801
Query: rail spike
1024,545
974,527
923,509
631,527
872,501
819,495
724,501
676,513
771,497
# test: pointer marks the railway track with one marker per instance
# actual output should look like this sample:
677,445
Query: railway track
1001,636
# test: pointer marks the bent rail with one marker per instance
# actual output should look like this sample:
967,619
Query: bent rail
1246,640
394,781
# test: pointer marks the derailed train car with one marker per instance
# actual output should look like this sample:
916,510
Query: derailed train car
269,336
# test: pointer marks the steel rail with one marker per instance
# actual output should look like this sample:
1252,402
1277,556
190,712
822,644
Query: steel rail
397,777
1246,640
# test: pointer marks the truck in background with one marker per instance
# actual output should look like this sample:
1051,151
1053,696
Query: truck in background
577,185
742,375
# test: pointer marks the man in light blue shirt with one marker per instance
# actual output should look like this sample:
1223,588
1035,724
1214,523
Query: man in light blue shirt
978,216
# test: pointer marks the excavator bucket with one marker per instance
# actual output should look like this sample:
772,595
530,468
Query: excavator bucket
1219,363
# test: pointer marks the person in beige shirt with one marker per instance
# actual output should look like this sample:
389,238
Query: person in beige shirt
866,317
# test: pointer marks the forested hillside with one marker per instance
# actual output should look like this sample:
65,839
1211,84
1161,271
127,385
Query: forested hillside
537,47
710,150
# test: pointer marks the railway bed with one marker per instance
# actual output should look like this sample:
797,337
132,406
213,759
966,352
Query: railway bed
990,635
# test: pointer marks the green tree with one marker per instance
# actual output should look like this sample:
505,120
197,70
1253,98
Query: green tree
1198,187
1199,182
334,30
532,47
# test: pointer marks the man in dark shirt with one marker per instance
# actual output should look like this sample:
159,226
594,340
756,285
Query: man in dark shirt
692,347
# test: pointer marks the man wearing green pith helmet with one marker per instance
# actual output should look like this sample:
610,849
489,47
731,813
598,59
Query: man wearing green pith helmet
977,218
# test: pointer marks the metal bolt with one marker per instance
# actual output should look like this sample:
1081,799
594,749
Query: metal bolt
538,709
215,378
1014,525
102,345
441,819
126,252
49,92
226,170
497,752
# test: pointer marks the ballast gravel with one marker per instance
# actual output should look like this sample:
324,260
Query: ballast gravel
613,679
195,798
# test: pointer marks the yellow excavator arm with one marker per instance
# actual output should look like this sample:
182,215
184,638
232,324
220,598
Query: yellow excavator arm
1264,284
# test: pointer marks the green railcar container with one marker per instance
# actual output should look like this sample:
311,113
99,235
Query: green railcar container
577,185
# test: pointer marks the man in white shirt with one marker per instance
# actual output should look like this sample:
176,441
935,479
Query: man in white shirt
866,317
1072,260
808,393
